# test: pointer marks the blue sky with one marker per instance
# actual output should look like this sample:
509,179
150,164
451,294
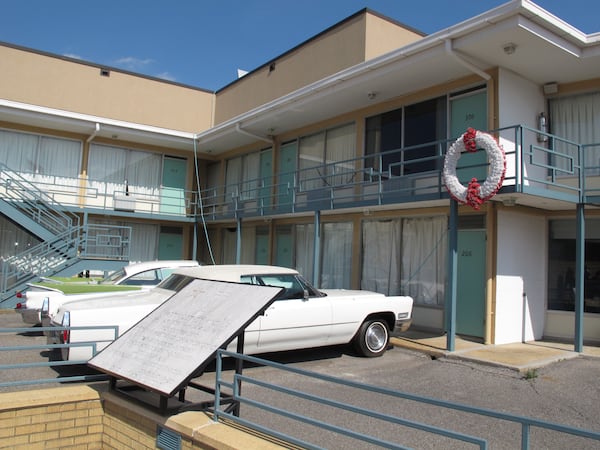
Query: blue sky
203,43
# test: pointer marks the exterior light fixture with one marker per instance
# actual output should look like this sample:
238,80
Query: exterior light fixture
509,48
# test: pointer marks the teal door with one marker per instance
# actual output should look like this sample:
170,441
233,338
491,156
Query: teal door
266,175
170,243
469,110
287,170
470,298
283,247
172,192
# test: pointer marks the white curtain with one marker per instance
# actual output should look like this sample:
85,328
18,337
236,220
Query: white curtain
381,253
340,147
233,176
336,262
305,250
311,155
124,170
406,257
18,151
577,118
424,256
42,155
250,182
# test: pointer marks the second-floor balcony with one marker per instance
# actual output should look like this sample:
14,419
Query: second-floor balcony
542,170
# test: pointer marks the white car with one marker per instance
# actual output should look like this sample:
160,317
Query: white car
40,301
301,316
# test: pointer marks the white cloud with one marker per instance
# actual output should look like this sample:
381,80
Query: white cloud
71,55
133,63
166,76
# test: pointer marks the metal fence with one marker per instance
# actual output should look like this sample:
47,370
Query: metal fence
224,411
34,377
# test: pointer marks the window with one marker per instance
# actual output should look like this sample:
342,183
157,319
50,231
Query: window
561,266
325,157
124,171
40,155
394,133
576,118
245,178
406,257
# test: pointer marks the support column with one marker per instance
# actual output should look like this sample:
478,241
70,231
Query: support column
579,277
452,276
238,241
317,250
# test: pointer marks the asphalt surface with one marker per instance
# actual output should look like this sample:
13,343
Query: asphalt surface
566,392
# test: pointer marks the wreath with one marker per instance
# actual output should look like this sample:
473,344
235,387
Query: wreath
474,194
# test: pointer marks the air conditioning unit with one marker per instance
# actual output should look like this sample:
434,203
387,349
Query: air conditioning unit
124,203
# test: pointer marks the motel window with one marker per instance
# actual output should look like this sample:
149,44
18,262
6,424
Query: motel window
406,256
124,171
577,119
325,158
40,155
400,138
561,266
247,176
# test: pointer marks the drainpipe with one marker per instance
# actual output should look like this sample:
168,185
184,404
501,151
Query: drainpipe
450,51
93,135
239,129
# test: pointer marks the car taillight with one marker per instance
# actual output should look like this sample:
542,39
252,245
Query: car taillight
19,305
66,322
19,294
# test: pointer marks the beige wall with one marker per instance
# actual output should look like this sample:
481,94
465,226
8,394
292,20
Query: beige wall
360,37
52,82
384,36
324,55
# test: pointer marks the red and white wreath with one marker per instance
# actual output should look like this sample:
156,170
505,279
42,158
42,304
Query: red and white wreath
474,194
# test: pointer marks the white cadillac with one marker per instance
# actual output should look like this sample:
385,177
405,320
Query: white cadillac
43,300
301,316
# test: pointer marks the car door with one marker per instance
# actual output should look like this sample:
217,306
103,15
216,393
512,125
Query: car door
295,323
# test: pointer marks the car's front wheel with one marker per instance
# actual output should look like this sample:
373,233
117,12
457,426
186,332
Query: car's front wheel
372,338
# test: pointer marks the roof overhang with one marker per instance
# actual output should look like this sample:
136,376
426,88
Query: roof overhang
93,126
546,49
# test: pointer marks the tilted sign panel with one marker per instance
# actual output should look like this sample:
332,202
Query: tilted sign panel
163,350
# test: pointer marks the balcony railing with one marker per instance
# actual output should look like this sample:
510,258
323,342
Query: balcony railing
538,164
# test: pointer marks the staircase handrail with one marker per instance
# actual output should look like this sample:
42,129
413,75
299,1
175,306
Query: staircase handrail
66,248
32,201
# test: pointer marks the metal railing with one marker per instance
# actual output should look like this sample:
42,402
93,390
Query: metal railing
41,379
224,411
34,201
49,257
538,163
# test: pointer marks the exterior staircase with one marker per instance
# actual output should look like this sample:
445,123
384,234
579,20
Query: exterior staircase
67,247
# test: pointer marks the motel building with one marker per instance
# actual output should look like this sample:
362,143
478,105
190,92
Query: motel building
340,158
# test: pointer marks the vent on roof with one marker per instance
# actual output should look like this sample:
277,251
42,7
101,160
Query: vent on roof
104,72
167,439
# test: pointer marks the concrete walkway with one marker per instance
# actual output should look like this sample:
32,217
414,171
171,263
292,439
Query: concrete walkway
521,357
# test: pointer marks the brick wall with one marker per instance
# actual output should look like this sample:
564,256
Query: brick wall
69,417
90,417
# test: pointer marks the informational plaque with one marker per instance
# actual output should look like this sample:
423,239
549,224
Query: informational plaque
164,350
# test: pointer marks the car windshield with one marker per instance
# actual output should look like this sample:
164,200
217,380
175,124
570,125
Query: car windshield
110,279
175,282
294,286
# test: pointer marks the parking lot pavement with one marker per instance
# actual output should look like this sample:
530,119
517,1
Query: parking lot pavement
522,357
565,392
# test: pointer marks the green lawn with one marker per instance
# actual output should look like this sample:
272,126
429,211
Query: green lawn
86,288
